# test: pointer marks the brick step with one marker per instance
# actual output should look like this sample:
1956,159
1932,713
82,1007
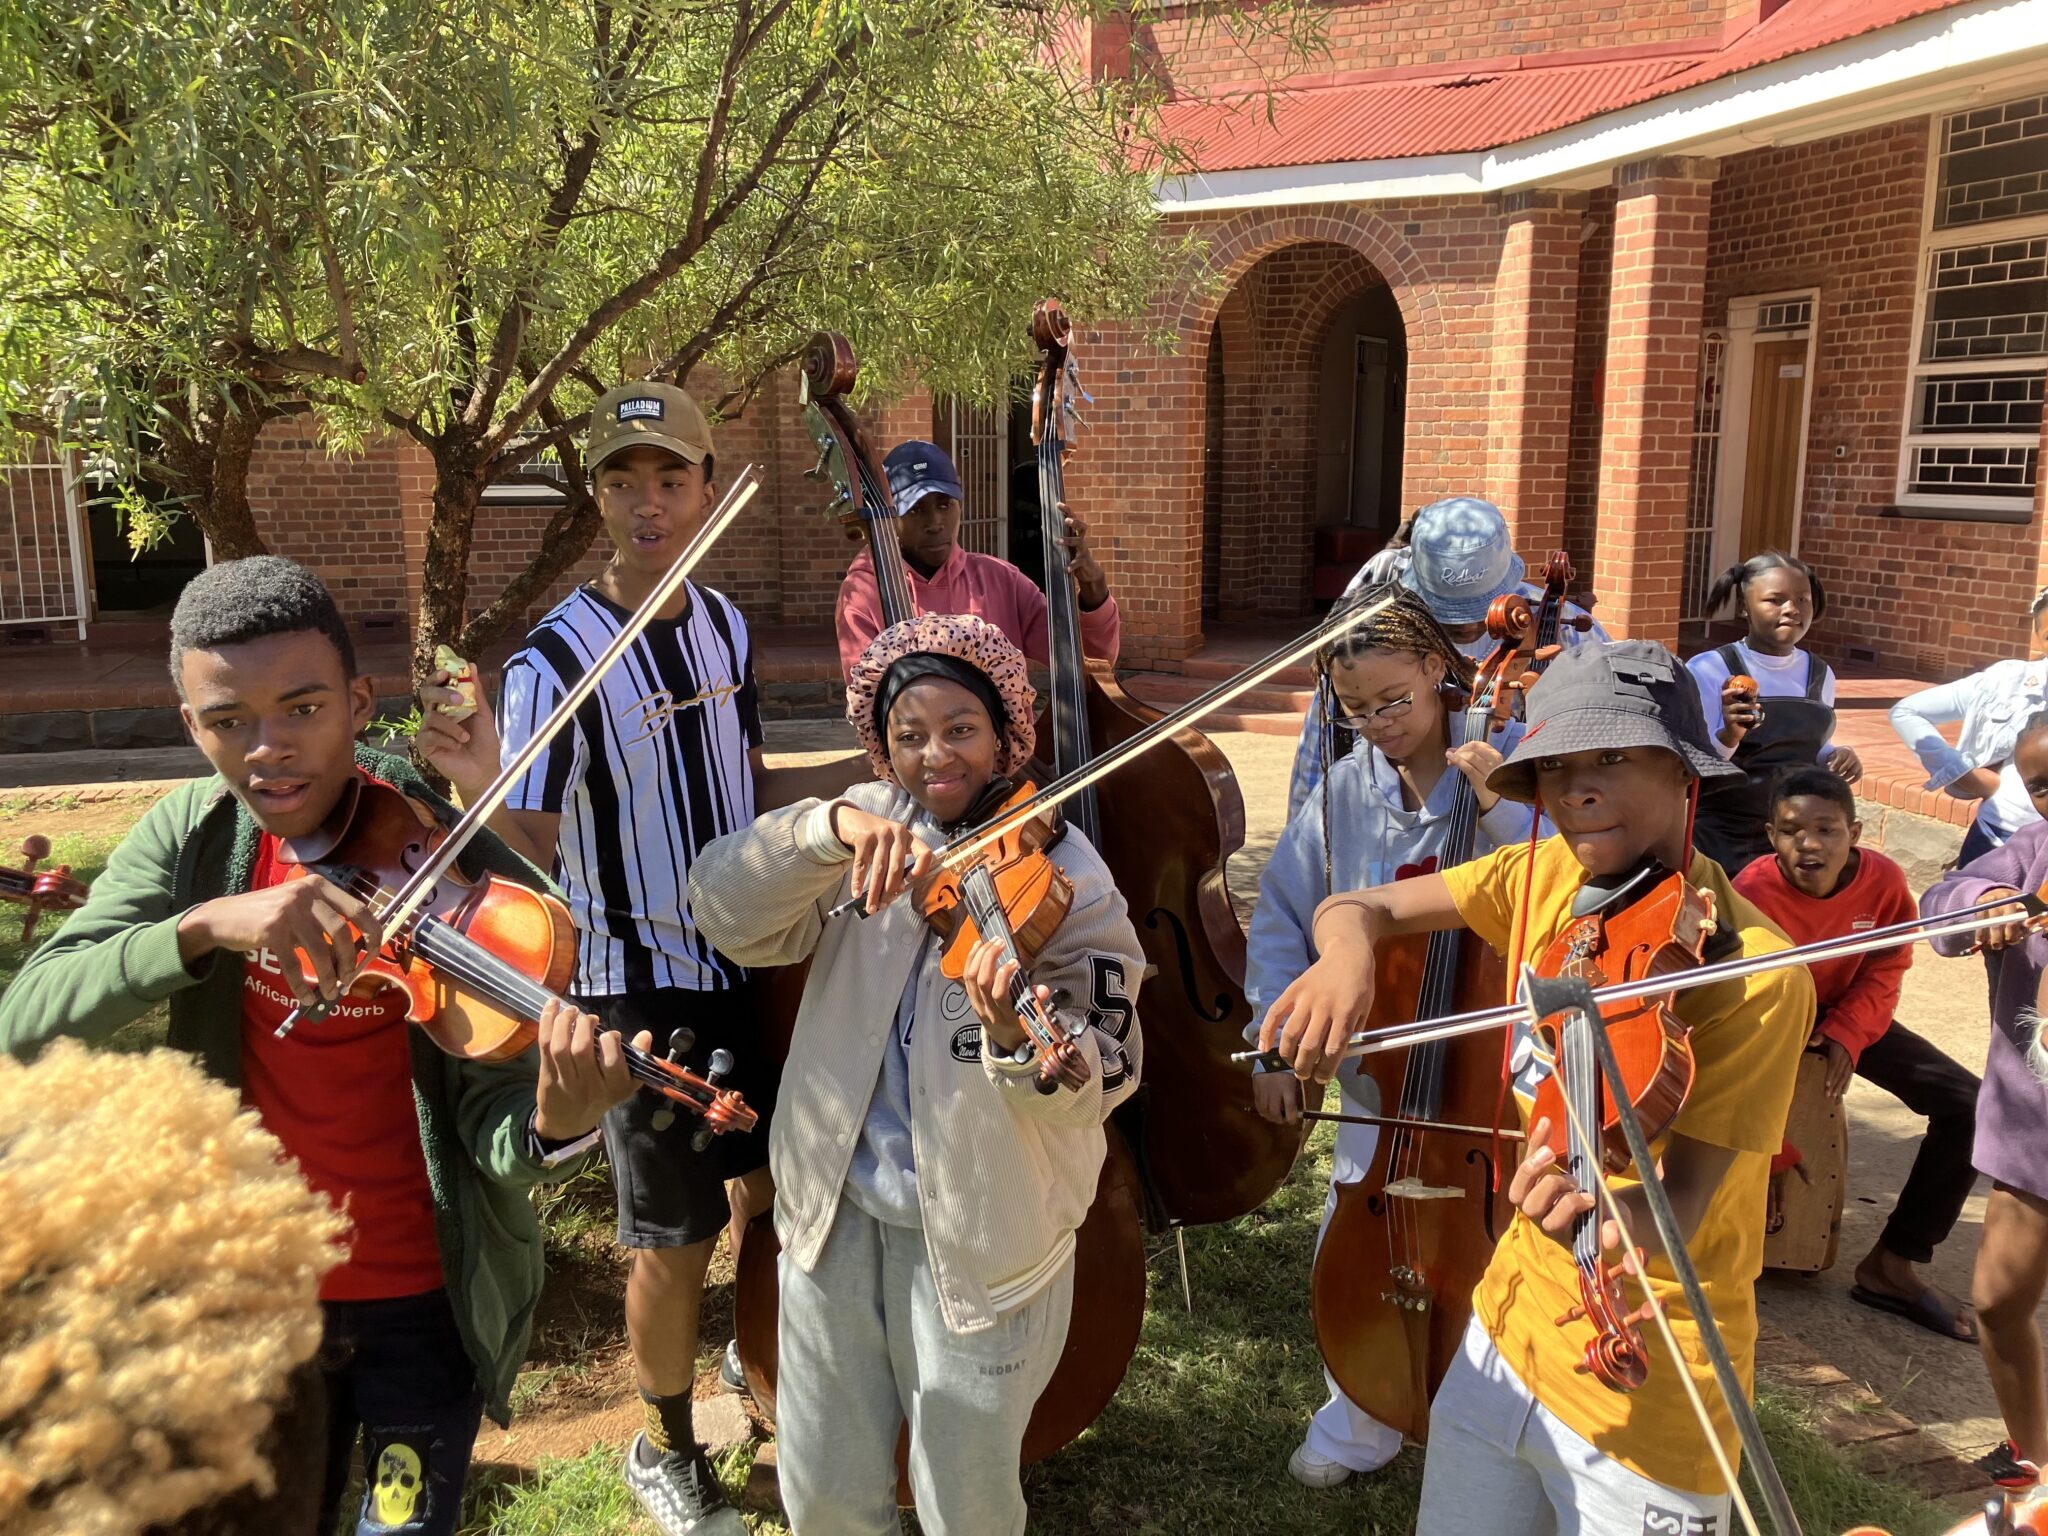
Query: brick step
1169,691
1217,668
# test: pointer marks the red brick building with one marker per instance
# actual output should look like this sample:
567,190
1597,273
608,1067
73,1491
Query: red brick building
1670,281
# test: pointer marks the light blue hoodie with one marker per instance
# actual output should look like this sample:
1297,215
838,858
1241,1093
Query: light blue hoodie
1373,840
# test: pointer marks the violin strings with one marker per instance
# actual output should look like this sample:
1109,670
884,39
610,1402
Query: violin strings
1606,1197
446,948
1968,920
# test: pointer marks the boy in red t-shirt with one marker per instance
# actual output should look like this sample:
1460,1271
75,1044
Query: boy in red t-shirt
1817,884
425,1320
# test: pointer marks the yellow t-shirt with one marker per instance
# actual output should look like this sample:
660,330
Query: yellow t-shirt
1746,1040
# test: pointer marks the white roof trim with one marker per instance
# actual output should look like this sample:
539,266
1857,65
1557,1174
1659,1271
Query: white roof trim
1719,116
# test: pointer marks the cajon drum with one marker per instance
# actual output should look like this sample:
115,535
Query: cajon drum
1803,1223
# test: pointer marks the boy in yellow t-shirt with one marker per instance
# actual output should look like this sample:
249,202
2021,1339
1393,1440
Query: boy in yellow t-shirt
1615,752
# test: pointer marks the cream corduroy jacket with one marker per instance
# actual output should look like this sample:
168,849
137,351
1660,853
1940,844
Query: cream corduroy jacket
1005,1174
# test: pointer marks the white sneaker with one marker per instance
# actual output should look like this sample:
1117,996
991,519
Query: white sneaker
1312,1469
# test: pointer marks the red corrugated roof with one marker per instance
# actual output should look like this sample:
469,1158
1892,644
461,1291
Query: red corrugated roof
1387,120
1397,116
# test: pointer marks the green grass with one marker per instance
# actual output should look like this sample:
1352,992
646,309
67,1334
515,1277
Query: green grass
1197,1439
87,855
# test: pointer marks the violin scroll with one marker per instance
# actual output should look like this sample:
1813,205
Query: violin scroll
1614,1356
40,890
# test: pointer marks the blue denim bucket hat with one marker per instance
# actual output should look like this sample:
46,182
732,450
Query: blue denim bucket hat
1461,559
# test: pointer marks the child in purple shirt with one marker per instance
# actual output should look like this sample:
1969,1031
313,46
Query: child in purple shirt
2011,1146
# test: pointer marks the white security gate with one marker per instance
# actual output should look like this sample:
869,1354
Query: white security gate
1706,459
42,547
978,438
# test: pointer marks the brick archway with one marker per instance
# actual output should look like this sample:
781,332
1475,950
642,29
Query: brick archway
1240,243
1288,406
1143,468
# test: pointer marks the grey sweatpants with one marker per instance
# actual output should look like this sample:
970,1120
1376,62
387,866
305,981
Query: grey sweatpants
862,1347
1500,1462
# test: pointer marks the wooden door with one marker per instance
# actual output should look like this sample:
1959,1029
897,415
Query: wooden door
1770,482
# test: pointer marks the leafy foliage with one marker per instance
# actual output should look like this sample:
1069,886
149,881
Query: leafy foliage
461,223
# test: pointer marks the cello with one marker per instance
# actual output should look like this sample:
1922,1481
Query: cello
1165,829
1109,1259
1391,1289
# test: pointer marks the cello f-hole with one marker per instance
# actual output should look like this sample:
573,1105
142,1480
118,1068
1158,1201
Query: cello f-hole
1484,1160
1219,1010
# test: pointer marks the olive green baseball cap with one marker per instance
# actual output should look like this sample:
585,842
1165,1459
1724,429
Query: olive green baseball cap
647,414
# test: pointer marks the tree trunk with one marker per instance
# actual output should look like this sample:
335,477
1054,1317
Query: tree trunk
444,577
567,539
208,459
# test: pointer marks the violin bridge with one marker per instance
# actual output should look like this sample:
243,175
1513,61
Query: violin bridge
1415,1189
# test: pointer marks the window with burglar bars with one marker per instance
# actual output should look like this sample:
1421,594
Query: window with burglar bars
1980,358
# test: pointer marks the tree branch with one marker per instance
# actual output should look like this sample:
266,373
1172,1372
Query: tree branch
671,261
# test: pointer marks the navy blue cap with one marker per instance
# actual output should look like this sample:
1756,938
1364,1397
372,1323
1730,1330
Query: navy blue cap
917,470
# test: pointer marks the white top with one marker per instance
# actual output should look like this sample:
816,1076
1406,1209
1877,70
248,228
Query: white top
1777,677
653,767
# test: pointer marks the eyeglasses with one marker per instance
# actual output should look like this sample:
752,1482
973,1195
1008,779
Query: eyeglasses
1377,719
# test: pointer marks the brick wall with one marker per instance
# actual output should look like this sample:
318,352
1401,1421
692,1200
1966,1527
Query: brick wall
336,514
1145,455
1843,216
1589,373
1194,49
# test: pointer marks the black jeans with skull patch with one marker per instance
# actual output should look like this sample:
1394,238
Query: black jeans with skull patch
398,1376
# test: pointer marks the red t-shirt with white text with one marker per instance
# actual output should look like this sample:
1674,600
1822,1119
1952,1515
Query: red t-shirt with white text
339,1095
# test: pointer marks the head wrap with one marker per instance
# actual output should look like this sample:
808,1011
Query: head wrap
956,646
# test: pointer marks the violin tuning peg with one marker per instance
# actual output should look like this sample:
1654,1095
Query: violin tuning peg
721,1065
680,1043
1571,1314
700,1140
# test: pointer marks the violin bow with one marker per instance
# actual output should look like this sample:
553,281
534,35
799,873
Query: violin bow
2033,907
1542,997
1131,747
409,897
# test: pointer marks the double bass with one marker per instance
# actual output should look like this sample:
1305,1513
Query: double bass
1391,1289
1109,1258
1165,827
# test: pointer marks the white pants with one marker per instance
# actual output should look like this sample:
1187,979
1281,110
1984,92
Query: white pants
862,1348
1499,1461
1341,1430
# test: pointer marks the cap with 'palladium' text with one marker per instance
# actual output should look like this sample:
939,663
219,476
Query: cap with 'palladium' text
643,413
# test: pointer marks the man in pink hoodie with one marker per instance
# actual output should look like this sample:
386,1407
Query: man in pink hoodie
944,578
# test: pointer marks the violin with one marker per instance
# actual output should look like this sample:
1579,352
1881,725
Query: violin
480,960
1391,1289
1011,893
40,890
1655,924
1166,828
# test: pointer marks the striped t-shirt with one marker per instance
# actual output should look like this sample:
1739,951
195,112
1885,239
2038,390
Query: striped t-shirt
653,766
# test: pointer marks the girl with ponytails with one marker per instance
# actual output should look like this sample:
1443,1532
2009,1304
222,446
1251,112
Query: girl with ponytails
1785,722
1378,813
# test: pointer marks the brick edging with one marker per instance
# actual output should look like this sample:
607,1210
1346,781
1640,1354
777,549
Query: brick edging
1878,1440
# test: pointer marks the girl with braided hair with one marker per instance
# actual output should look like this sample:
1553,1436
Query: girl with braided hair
1380,811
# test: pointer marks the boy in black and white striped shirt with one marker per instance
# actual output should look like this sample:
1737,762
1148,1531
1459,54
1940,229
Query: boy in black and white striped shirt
663,758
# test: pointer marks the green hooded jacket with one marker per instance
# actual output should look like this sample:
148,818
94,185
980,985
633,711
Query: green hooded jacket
117,957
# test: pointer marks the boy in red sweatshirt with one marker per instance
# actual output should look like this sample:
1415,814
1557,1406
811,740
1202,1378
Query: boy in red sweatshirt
1817,884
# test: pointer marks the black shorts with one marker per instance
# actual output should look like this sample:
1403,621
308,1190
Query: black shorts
671,1195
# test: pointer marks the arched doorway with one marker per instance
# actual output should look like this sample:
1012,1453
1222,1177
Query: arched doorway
1305,393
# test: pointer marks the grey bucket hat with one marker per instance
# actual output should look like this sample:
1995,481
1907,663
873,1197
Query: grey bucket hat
1617,693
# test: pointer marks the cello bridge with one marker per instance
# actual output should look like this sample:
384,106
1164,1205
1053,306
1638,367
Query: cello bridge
1415,1189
